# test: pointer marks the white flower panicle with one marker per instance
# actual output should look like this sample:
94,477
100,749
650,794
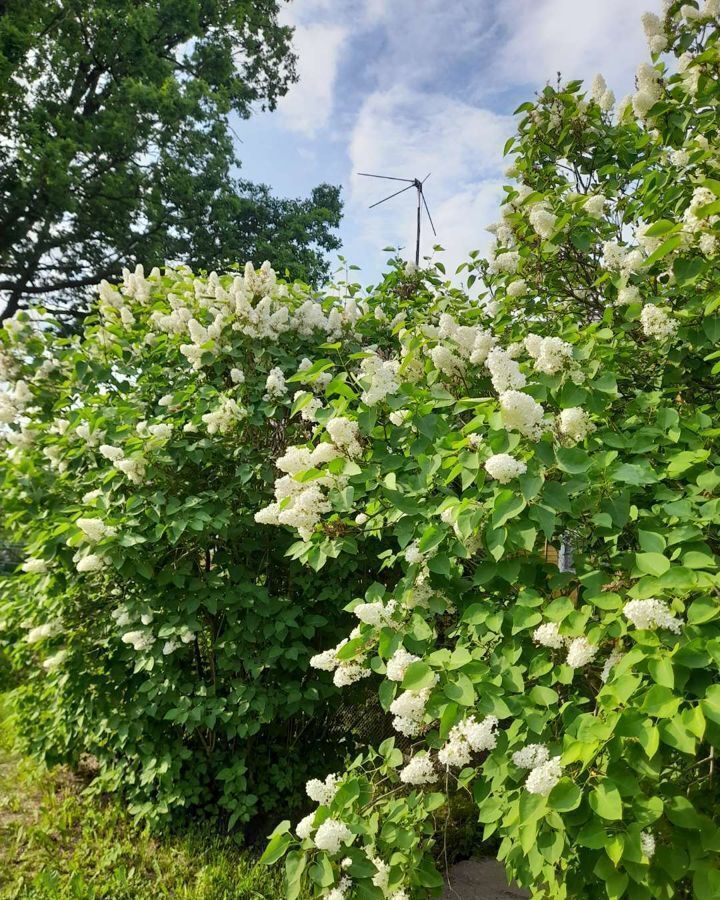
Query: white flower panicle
275,385
377,614
35,566
647,844
580,652
531,756
548,635
551,354
332,835
95,529
345,434
91,562
503,467
504,371
140,640
521,413
543,778
466,738
322,792
304,827
420,770
610,664
656,323
408,709
42,632
380,378
574,423
399,662
647,615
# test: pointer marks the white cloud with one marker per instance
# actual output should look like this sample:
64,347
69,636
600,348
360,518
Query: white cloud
408,134
576,39
308,105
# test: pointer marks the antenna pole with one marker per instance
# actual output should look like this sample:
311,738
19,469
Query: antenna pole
418,185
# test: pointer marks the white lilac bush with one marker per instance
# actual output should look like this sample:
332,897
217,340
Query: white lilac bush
156,624
538,477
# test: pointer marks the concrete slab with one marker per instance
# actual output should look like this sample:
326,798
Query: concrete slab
480,879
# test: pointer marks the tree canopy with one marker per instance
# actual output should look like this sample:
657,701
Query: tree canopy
116,146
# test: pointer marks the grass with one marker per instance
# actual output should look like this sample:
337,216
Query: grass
56,844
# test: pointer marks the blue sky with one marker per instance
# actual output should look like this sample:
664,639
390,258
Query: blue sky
407,87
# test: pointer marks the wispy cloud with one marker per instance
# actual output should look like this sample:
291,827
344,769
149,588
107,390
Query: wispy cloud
398,86
308,105
408,133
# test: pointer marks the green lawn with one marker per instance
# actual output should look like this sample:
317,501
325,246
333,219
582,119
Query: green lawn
56,844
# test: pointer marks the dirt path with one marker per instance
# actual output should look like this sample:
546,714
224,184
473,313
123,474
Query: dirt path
480,879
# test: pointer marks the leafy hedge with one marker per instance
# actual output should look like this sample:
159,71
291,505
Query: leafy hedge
513,497
548,490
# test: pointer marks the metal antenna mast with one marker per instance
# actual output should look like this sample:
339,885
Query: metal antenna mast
421,201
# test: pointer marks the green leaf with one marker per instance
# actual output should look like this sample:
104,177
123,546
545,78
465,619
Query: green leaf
276,847
565,796
606,801
418,675
667,246
652,563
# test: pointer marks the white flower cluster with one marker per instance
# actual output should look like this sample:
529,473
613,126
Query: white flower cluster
656,323
595,204
140,640
409,711
574,423
332,835
275,385
654,32
225,417
625,260
503,467
693,219
89,562
340,891
447,361
521,413
551,354
605,99
311,405
543,778
651,614
398,664
627,294
322,792
580,650
133,468
610,664
543,220
42,632
95,529
345,434
299,504
380,378
580,653
13,402
531,756
466,738
420,770
504,371
473,342
548,635
33,565
650,90
647,843
346,672
376,614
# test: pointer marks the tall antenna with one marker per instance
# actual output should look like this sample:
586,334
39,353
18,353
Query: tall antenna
421,201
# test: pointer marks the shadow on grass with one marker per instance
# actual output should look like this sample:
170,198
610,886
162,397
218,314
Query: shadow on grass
57,844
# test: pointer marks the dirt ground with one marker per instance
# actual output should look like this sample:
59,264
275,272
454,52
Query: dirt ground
480,879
